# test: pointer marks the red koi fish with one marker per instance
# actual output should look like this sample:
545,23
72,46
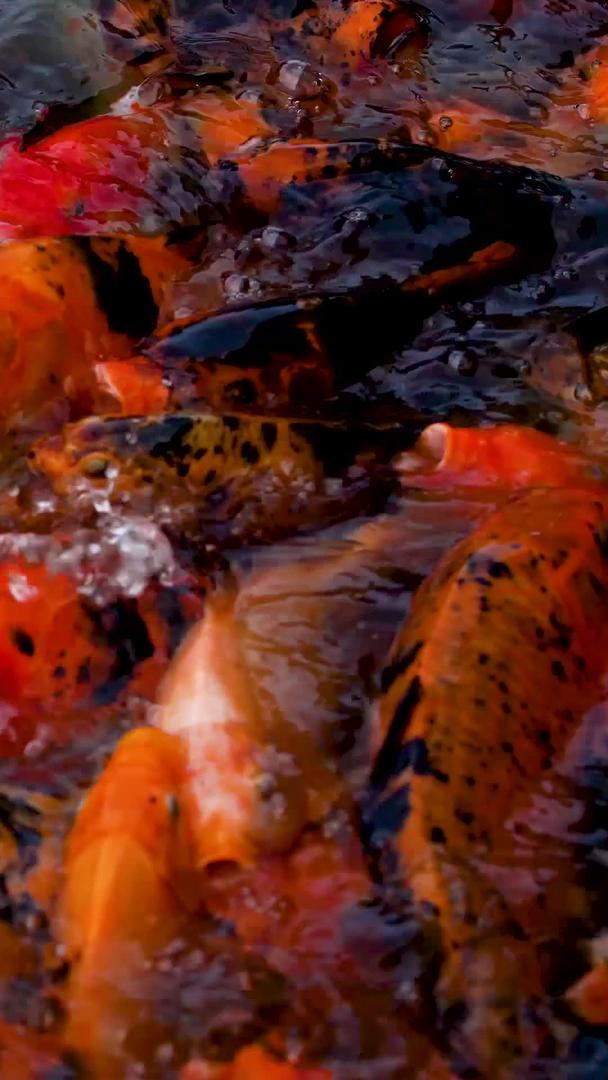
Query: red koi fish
503,654
119,174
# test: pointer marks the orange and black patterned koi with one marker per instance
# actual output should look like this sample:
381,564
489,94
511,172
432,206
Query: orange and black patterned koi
222,477
488,680
292,352
66,305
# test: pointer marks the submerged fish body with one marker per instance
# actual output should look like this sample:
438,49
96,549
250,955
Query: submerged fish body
502,656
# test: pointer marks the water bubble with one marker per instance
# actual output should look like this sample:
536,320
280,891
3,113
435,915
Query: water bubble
20,588
119,559
240,285
463,361
274,239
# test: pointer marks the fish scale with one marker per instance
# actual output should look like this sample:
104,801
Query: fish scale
487,682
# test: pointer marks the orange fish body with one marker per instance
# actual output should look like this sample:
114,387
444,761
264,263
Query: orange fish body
120,903
61,313
501,459
500,659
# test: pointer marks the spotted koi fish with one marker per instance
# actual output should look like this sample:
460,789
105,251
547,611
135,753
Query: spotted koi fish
501,657
227,476
62,310
289,352
142,23
61,653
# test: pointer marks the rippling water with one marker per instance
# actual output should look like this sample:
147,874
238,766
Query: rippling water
316,295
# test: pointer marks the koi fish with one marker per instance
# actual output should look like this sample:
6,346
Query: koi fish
242,757
501,657
227,476
136,29
170,813
120,903
290,352
62,309
50,652
497,458
123,173
61,651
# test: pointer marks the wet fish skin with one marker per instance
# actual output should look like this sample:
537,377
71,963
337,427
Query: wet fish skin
487,681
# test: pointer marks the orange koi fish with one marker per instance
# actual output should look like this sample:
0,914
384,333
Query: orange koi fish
62,310
241,759
60,652
120,903
502,656
495,457
212,792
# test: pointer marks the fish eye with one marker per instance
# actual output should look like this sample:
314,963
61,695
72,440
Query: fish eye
94,465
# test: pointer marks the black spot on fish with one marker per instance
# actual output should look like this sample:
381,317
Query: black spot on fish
167,438
498,569
600,535
24,642
559,671
122,290
250,453
388,761
83,675
269,435
398,666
